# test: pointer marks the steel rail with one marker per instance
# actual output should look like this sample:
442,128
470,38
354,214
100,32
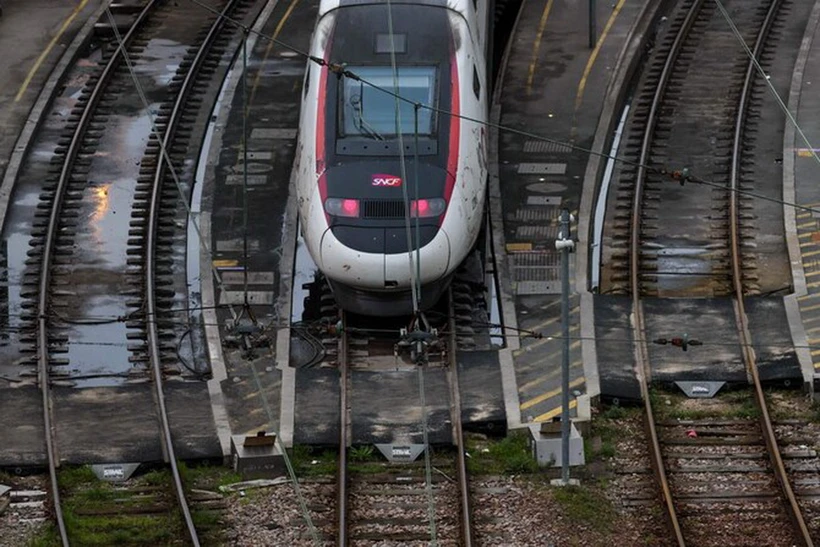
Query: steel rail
341,475
641,351
150,262
458,433
48,248
792,507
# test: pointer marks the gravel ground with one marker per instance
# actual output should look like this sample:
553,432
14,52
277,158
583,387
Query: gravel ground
18,524
509,511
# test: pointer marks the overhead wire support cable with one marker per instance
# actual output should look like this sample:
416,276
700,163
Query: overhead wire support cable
341,70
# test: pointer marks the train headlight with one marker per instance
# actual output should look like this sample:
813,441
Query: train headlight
427,207
341,207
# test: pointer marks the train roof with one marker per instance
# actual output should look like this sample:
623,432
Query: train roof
460,6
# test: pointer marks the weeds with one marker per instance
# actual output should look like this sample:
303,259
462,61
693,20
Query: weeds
510,455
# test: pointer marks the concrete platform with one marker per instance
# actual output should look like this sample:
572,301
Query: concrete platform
710,320
482,399
553,85
317,406
616,349
800,171
22,441
385,407
247,393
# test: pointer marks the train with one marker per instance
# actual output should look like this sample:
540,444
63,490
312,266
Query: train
391,162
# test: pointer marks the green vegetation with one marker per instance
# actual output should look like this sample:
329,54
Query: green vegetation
361,453
600,444
510,455
48,536
308,462
140,511
737,404
586,506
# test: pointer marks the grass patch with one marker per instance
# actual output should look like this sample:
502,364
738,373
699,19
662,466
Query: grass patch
510,455
87,500
735,404
308,462
586,506
71,478
47,536
207,477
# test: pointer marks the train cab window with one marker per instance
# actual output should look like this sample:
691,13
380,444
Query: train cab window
370,112
476,84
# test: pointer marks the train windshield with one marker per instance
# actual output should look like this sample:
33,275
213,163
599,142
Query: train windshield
370,112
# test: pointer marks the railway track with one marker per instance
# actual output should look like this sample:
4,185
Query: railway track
717,462
405,502
75,235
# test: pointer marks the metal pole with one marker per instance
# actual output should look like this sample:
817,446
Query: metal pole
565,246
592,25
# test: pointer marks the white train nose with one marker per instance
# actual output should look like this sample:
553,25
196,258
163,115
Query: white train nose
383,271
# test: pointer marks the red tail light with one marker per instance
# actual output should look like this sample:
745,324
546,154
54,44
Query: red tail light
425,208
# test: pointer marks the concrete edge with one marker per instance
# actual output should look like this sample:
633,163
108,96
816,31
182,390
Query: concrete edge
213,339
789,134
617,89
796,327
37,113
800,339
509,383
287,393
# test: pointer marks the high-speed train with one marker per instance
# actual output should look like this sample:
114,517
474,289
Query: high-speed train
383,138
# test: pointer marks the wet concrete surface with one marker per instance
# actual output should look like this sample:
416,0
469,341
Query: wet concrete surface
482,400
772,340
616,349
709,320
274,84
25,198
317,407
554,87
385,407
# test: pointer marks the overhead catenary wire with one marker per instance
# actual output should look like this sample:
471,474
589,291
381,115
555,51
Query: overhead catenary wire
340,69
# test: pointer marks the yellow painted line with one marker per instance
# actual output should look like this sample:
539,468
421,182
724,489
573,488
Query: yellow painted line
546,377
815,352
814,341
518,247
550,394
812,273
579,96
537,44
810,308
271,43
805,235
547,416
812,319
552,320
809,224
226,263
813,285
48,49
810,253
813,330
809,243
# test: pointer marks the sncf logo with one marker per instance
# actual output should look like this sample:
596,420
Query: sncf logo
385,180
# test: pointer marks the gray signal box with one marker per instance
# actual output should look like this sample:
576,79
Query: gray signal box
545,442
257,456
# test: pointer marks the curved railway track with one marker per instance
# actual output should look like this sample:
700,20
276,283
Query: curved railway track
404,503
60,286
721,475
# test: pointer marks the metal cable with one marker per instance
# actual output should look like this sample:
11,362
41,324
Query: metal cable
166,157
766,79
414,290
